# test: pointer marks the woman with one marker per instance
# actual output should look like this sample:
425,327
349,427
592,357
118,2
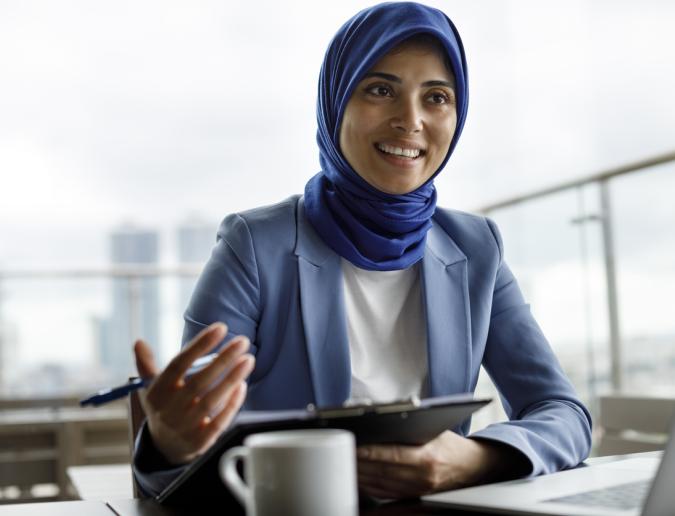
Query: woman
362,287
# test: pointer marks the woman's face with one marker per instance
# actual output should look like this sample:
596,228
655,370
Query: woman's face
399,122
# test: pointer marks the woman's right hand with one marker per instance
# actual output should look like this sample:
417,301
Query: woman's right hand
186,416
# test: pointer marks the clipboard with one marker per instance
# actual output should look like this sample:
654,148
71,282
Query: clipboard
403,422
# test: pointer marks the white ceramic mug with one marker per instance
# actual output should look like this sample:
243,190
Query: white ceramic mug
298,472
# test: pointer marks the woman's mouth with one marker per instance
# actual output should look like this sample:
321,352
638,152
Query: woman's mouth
410,154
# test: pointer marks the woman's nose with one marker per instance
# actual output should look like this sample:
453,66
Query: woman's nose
408,118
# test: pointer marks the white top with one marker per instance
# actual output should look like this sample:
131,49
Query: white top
387,332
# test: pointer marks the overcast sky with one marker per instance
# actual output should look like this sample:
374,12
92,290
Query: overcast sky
148,111
155,111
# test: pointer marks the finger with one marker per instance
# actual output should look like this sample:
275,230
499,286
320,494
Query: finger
392,473
203,428
211,402
187,413
145,361
226,360
220,422
205,340
390,453
388,487
383,495
414,479
376,492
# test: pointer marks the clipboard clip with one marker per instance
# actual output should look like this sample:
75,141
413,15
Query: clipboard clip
361,407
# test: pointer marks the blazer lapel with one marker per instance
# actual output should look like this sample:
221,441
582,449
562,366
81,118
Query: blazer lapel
446,303
323,315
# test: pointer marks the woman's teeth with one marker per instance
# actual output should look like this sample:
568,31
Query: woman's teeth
398,151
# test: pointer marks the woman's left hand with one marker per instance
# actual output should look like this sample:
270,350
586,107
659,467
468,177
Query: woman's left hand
447,462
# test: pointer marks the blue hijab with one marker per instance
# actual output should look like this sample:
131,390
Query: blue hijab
372,229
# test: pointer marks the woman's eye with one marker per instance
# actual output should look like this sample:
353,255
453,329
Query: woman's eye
439,98
379,90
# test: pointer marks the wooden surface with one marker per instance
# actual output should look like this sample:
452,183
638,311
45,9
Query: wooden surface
78,508
37,445
150,508
101,482
106,481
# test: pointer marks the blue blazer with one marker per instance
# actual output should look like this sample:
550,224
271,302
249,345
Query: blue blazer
273,279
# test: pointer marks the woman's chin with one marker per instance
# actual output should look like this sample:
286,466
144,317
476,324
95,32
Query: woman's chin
395,187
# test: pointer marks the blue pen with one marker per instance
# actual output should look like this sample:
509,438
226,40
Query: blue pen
114,393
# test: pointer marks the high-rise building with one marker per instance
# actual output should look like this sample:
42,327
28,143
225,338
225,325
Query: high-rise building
8,355
8,338
195,242
3,349
135,301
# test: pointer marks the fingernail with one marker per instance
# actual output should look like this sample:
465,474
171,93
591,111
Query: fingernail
243,344
245,362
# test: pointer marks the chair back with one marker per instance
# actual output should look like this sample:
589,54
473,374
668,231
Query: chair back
632,424
136,418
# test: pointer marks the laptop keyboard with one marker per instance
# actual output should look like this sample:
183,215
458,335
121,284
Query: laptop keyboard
623,496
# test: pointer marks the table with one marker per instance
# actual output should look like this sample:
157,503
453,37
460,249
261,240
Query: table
99,481
136,507
111,485
150,508
80,508
102,482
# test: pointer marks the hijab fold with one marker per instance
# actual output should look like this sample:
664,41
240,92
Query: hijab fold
372,229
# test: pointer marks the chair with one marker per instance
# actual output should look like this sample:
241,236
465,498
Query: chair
38,444
136,418
632,424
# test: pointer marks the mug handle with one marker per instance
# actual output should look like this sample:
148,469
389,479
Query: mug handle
228,472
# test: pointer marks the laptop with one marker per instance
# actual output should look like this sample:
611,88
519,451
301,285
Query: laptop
633,486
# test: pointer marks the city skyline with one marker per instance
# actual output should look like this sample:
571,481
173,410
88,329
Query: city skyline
135,301
180,134
101,342
153,126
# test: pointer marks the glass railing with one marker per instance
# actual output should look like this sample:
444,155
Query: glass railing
68,332
595,258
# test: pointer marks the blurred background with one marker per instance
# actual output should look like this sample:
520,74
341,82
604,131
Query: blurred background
128,130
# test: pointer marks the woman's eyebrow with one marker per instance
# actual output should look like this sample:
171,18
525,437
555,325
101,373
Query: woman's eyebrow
396,79
439,83
385,76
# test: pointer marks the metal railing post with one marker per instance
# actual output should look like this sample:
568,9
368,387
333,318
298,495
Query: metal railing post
3,344
134,307
602,179
612,296
581,220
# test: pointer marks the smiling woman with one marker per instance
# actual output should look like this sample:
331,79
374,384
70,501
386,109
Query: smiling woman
400,120
364,288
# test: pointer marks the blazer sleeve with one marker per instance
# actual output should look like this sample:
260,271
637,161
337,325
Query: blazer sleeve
151,470
227,290
547,421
